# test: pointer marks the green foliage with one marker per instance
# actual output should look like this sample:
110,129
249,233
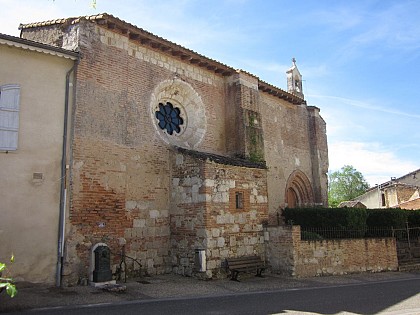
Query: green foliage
346,218
395,218
413,217
345,184
255,153
331,223
6,282
256,157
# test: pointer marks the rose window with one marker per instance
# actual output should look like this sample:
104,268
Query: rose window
169,118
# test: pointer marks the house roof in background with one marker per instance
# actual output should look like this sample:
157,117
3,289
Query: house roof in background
410,205
394,181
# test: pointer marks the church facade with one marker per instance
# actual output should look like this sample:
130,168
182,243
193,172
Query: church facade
175,156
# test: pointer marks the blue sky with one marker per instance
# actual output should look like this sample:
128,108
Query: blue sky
360,60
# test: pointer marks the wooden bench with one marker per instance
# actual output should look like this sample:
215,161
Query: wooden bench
246,264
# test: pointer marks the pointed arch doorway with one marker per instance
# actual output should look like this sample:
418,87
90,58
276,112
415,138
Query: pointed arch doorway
298,190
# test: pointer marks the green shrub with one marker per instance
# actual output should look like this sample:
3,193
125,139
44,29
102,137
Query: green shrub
342,218
395,218
413,217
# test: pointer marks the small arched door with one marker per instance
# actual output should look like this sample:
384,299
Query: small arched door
298,190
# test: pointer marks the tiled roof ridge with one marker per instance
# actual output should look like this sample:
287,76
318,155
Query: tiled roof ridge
135,32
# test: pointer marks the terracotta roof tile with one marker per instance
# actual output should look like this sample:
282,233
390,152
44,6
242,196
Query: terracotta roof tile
135,32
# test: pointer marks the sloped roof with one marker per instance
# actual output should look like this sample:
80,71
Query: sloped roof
146,38
351,204
395,181
410,205
38,47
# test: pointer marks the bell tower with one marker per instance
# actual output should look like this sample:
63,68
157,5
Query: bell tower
294,80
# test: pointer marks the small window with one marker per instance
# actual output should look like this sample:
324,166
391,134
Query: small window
9,116
383,200
239,200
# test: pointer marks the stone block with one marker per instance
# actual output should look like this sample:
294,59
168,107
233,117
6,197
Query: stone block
235,228
220,219
195,188
139,223
130,204
208,182
215,232
153,214
211,264
184,261
214,253
221,242
261,199
224,253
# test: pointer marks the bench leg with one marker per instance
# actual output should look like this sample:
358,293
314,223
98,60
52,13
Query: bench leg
234,275
259,272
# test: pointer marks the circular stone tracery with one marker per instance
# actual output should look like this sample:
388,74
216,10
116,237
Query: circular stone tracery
169,118
178,114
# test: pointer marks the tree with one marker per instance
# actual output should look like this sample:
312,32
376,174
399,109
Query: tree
345,184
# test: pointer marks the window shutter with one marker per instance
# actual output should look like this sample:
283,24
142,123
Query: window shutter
9,116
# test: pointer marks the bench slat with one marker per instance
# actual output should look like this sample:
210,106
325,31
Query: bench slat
245,264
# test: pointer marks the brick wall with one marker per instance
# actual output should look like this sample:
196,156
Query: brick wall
121,167
288,254
294,139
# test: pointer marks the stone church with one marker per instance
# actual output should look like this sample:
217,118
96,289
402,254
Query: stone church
172,153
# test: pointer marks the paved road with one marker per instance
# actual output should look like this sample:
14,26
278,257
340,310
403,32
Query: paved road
385,297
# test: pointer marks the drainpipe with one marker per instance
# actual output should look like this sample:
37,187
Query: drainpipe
63,189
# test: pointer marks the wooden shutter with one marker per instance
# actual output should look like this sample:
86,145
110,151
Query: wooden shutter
9,116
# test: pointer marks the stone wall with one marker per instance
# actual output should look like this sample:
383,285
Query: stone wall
281,242
288,254
206,213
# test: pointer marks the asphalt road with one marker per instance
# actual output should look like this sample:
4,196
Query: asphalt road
385,297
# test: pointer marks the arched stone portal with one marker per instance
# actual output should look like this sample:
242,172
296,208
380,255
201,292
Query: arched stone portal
298,190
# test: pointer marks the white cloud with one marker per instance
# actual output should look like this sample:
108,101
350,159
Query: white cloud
365,105
395,28
376,162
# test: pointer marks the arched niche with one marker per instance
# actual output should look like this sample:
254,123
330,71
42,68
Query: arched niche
299,191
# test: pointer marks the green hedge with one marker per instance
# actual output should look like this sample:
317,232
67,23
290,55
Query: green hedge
394,217
350,218
332,223
413,217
